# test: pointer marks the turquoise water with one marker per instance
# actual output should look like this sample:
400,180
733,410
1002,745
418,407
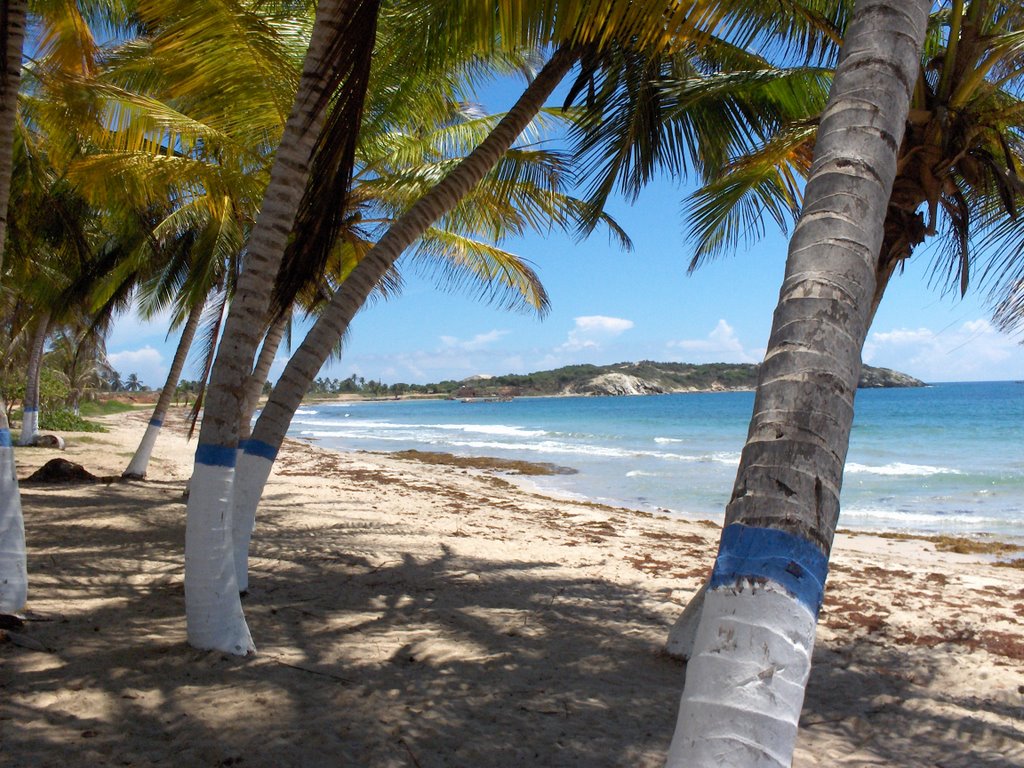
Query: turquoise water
947,458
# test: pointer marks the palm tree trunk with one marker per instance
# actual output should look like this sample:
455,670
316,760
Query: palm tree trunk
13,569
257,457
213,611
258,377
30,406
140,461
745,683
249,465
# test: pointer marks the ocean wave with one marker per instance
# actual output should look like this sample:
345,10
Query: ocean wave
640,473
665,440
351,425
899,468
335,433
305,412
955,518
487,429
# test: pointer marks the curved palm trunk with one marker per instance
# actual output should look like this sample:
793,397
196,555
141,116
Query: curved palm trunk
30,406
13,569
254,384
140,461
213,611
752,655
259,452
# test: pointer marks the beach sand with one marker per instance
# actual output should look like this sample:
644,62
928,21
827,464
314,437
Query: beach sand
415,615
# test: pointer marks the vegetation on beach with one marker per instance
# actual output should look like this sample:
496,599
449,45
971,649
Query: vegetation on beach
983,544
535,468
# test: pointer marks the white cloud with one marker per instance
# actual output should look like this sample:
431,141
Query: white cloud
480,341
590,331
973,351
720,345
147,363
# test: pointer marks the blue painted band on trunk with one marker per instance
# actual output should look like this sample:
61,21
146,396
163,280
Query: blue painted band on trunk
30,410
259,448
5,439
794,563
156,422
216,455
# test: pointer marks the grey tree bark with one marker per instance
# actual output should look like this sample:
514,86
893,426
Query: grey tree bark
254,384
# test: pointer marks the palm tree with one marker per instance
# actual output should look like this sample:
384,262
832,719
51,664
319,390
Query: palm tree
214,613
457,186
78,353
13,568
958,177
580,29
745,681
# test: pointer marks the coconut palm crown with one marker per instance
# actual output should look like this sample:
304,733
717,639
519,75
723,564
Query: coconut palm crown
960,164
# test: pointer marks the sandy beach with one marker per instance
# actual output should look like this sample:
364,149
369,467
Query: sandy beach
418,615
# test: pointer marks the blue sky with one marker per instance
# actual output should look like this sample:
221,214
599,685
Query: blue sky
609,306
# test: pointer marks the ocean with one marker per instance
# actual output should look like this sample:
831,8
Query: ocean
947,458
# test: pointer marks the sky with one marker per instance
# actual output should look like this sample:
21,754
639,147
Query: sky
611,306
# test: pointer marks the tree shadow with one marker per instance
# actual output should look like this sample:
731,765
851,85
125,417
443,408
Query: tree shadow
382,648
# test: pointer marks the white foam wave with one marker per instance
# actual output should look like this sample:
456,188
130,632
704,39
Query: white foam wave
665,440
899,468
887,516
487,429
360,425
305,412
640,473
337,433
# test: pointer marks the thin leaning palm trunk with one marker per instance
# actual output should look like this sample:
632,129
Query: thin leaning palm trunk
13,562
136,469
213,611
260,450
260,373
745,682
30,405
244,488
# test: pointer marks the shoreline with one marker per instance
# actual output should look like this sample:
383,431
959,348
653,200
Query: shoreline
623,459
417,614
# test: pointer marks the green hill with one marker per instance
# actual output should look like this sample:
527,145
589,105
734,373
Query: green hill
642,378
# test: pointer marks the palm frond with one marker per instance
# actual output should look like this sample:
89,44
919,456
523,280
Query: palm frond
499,277
729,211
322,210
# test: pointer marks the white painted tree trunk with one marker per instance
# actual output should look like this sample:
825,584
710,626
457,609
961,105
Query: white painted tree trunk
305,363
251,475
213,610
30,406
746,679
683,634
215,618
137,467
13,564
